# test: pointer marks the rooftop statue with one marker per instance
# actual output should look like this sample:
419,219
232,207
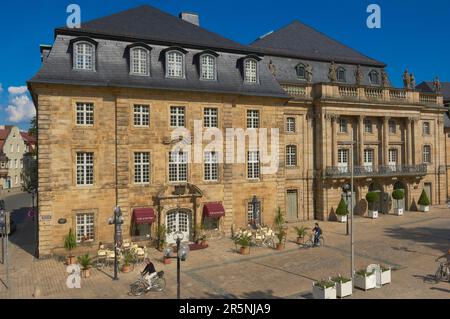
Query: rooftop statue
332,75
384,79
406,79
437,85
358,75
412,81
309,73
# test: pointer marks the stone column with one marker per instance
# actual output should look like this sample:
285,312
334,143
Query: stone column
334,119
386,140
408,141
361,140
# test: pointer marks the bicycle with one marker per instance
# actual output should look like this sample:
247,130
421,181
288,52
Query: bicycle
310,242
141,286
443,272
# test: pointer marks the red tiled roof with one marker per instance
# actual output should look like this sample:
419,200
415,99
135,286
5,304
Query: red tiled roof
28,138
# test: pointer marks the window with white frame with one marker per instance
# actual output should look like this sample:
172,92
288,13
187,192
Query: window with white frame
343,160
393,158
85,227
141,115
211,166
84,58
368,126
250,71
208,67
290,125
426,128
291,155
139,61
253,165
177,167
254,213
85,114
177,116
340,74
392,127
141,168
342,125
85,168
252,119
427,154
210,117
175,64
368,159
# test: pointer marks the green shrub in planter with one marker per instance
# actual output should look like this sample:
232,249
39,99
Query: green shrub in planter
398,194
424,200
371,198
325,284
340,279
342,209
364,273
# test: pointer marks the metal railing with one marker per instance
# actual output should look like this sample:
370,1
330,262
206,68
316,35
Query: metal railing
368,171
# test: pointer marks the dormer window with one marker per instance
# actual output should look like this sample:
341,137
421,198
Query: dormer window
175,64
139,61
250,71
207,67
340,74
374,77
84,56
301,71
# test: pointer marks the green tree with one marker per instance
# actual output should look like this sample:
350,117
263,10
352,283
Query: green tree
32,131
424,200
342,209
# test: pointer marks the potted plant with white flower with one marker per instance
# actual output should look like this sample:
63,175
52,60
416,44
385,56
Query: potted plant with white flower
385,275
398,195
371,198
344,286
342,211
325,289
424,202
365,280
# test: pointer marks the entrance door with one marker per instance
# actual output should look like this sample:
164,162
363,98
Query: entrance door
179,220
292,204
427,187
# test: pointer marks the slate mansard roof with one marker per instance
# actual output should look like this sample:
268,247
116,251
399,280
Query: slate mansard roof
429,87
159,30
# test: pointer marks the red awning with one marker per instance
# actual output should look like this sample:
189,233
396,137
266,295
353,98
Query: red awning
144,215
213,210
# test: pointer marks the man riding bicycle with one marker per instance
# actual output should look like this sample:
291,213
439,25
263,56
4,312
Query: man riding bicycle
317,231
149,272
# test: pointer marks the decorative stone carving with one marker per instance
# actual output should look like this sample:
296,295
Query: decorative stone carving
332,75
384,79
412,81
309,73
332,116
272,68
437,84
406,79
358,75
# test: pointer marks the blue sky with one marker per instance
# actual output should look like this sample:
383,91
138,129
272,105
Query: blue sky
414,34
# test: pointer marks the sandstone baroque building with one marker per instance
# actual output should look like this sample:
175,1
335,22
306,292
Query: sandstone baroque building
108,99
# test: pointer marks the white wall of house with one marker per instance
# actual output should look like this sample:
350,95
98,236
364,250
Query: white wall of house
14,148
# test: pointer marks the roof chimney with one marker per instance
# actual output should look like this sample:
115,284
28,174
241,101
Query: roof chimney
45,51
190,17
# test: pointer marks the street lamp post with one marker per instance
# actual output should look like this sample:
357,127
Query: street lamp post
117,221
351,211
182,253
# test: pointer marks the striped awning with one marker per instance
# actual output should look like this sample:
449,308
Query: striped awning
213,210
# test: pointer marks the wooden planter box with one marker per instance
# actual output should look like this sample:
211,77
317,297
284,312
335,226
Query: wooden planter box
321,293
373,214
244,250
367,282
386,277
344,289
424,209
342,218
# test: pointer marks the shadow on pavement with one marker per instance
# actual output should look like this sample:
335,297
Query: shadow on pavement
24,237
436,238
428,279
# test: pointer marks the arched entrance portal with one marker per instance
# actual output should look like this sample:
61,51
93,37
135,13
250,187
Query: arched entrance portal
382,205
400,203
179,220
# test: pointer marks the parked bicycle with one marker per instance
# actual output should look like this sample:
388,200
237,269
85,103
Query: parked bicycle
443,271
141,286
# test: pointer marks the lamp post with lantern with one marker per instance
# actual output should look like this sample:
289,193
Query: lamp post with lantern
117,221
182,253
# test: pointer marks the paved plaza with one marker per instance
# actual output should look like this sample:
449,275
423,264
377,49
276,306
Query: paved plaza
409,244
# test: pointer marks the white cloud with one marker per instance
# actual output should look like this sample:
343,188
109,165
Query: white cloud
1,89
17,90
20,108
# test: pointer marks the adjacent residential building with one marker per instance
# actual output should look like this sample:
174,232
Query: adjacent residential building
15,145
109,100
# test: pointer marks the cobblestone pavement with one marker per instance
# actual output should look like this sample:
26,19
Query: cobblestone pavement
409,244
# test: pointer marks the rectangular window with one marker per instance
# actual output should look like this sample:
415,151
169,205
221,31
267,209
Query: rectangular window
141,168
392,127
141,115
368,126
426,128
254,213
250,71
85,114
291,155
85,227
427,154
343,160
177,167
210,117
211,166
342,125
252,119
85,168
290,125
177,116
253,167
368,160
393,157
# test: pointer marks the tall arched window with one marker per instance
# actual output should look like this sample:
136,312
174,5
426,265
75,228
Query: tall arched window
84,56
139,61
374,77
207,67
340,74
250,71
301,71
174,64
